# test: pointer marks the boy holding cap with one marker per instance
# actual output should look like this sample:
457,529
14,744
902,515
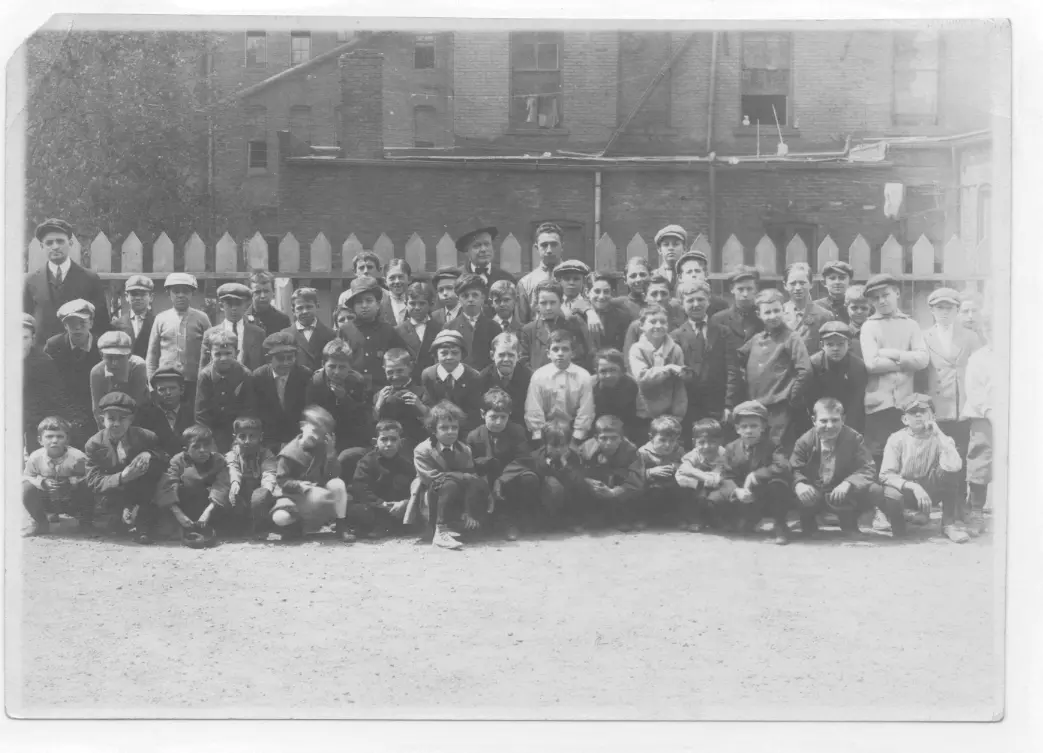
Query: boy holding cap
837,276
75,353
234,298
166,414
119,371
368,335
308,332
137,317
893,349
176,340
836,372
280,387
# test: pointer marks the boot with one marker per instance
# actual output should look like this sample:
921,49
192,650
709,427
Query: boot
808,525
344,531
780,532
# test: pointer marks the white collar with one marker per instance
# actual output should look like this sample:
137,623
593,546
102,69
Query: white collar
302,328
570,369
64,267
455,374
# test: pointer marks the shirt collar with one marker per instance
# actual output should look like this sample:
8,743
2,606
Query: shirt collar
302,328
572,369
64,267
443,374
90,343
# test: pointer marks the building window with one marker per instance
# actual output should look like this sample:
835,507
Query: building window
536,100
916,78
765,78
257,155
424,51
983,231
256,49
424,126
300,47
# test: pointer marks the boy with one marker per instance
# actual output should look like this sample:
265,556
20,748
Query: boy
615,475
368,336
308,332
919,469
341,392
614,318
835,372
703,346
758,472
444,281
837,276
507,373
693,267
740,321
452,380
661,457
196,482
252,470
504,299
615,392
548,245
137,317
43,393
366,264
75,353
176,339
477,327
225,389
280,388
670,242
166,414
801,315
561,386
382,482
312,492
858,310
262,312
535,336
657,364
702,472
234,297
54,480
402,400
418,329
833,468
978,408
397,276
772,368
447,477
970,313
656,294
638,274
124,466
119,371
572,274
497,443
894,350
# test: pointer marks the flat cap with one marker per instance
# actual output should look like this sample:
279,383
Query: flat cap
120,401
234,290
359,286
916,401
691,256
450,337
834,328
115,341
79,308
743,272
167,372
672,230
180,278
750,408
879,281
943,295
445,273
280,342
574,266
835,265
29,321
53,225
465,240
139,282
468,281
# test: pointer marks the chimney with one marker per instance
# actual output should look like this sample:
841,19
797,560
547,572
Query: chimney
362,104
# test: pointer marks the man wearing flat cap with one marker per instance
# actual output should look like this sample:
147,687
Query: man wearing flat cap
61,280
234,299
837,276
477,246
136,317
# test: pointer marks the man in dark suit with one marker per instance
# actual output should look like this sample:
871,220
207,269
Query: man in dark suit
477,246
61,280
280,387
234,298
167,414
309,333
137,317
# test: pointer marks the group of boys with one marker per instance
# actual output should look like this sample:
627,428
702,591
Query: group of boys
473,403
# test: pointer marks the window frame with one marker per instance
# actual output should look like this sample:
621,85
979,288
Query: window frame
252,169
786,122
899,119
295,35
427,144
255,34
536,38
425,41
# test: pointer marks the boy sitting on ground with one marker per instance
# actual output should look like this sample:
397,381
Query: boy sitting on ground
497,443
615,476
196,482
382,482
55,480
661,456
702,472
251,473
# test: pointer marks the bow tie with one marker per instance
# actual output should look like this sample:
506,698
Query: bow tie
484,270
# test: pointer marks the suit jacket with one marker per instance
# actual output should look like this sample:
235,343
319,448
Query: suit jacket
431,464
74,368
43,395
271,321
854,462
493,452
738,328
387,311
535,339
707,359
944,378
253,348
41,299
136,385
845,381
150,416
369,342
517,387
104,465
123,324
309,354
765,460
439,315
615,321
837,308
352,414
478,338
222,399
423,354
466,394
814,317
281,424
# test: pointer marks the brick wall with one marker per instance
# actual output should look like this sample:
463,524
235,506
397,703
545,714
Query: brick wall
362,112
481,84
588,71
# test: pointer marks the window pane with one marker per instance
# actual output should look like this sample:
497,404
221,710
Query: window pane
300,47
547,57
258,154
424,52
255,48
760,81
759,107
767,51
523,56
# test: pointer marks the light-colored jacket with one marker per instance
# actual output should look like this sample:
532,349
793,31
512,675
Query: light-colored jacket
980,384
177,342
659,392
945,373
891,382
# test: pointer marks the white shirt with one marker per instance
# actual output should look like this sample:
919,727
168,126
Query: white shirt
398,308
570,391
308,331
64,267
455,374
242,329
137,321
420,328
450,315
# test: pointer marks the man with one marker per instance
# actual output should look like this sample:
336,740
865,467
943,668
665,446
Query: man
137,317
60,281
234,297
477,246
262,312
837,276
548,245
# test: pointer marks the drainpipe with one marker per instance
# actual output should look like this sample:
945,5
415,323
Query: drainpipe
597,208
709,150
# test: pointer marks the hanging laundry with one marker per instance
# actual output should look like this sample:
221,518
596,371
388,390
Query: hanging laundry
531,106
893,194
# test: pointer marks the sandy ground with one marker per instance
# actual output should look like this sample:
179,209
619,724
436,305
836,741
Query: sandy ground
656,625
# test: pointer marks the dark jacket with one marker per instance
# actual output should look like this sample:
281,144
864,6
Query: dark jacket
43,395
271,321
423,354
151,416
738,328
104,465
619,401
837,308
297,465
854,462
623,472
615,320
466,394
74,369
352,414
493,452
478,339
411,419
253,348
309,353
765,460
281,424
570,472
369,342
42,299
123,324
535,340
846,381
706,356
220,399
771,368
517,387
378,479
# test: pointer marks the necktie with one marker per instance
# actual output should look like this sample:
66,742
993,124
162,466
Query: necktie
483,271
280,386
171,418
58,276
450,382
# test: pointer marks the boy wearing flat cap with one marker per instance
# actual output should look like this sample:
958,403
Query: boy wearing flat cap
572,274
167,413
61,280
280,389
75,354
693,267
234,298
444,282
119,371
836,372
43,392
369,336
919,470
176,340
670,242
137,317
453,380
837,276
474,322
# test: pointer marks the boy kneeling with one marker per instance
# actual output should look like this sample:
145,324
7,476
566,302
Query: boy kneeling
196,483
662,456
920,467
702,472
615,475
251,472
54,479
833,468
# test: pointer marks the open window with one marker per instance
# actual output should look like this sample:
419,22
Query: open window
256,49
766,60
536,81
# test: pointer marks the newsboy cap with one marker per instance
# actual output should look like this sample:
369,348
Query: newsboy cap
672,230
53,225
279,342
167,372
115,341
445,273
468,281
835,265
29,321
139,282
119,401
743,272
574,266
234,290
879,281
78,308
750,408
465,240
943,295
359,286
834,328
698,256
180,278
916,401
449,337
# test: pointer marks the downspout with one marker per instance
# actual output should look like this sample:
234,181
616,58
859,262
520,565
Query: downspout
597,209
709,150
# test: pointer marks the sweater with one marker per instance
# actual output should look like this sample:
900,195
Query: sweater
177,341
911,457
890,382
659,392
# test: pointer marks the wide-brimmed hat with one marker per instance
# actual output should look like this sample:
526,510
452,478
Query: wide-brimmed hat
359,286
464,240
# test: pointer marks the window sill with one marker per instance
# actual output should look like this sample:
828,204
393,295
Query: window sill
769,131
514,131
253,171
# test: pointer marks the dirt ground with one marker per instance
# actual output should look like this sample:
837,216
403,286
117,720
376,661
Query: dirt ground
656,625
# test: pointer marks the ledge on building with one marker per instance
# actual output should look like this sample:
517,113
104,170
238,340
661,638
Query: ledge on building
537,132
766,132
